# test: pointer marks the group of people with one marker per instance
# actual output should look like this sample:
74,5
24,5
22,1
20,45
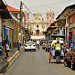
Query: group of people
5,49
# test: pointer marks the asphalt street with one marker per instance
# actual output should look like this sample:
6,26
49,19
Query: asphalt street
36,63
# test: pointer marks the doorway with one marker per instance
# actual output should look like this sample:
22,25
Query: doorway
37,32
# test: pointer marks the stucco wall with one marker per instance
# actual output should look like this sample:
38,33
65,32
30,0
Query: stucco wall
0,28
71,19
9,23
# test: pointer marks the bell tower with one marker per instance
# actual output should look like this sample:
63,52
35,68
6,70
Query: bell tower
50,16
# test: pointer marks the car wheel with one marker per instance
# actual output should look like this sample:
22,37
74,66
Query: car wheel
34,49
25,50
65,62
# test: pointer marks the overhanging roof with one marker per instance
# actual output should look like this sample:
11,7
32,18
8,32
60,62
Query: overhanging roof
11,9
3,11
67,11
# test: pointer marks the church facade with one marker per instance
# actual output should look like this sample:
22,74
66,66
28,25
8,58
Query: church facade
38,25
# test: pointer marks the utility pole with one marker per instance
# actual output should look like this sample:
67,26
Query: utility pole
20,21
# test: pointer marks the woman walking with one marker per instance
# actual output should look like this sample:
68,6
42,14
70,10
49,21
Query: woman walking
6,50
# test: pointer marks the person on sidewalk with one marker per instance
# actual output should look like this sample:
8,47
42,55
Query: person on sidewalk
19,46
6,51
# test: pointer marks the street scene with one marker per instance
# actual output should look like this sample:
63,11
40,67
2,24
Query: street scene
37,37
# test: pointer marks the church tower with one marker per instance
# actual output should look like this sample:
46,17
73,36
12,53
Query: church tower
50,17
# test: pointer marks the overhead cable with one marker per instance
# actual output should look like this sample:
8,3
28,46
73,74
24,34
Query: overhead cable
50,4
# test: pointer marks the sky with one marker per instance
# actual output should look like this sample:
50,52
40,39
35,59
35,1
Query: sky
41,6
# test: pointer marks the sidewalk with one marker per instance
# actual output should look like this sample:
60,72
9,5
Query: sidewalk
12,54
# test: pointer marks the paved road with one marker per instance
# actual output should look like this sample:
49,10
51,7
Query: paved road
36,63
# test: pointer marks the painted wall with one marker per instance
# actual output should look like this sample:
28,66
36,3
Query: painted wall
0,28
9,31
71,22
71,19
9,23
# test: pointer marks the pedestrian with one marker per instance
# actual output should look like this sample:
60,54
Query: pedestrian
6,51
38,44
1,53
19,46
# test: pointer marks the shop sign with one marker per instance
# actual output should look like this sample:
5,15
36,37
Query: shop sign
72,26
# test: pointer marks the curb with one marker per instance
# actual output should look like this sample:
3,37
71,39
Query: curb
10,61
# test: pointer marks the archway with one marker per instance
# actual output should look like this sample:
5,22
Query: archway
37,32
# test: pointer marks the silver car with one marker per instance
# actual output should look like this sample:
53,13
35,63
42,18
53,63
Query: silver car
30,46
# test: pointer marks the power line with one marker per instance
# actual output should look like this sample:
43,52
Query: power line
27,8
17,3
50,4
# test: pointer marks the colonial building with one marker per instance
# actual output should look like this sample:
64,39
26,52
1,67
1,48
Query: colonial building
37,25
69,15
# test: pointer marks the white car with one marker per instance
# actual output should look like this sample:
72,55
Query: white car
30,46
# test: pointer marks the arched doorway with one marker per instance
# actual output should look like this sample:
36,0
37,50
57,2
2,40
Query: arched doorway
37,32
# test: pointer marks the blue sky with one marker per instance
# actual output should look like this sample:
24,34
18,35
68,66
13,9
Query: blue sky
42,6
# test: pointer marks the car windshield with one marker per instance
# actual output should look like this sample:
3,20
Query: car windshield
30,43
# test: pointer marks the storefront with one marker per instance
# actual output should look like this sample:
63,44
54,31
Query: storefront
72,28
8,35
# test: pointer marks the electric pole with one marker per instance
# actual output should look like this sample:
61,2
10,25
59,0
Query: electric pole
20,21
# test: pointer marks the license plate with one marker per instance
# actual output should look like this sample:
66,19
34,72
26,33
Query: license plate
30,47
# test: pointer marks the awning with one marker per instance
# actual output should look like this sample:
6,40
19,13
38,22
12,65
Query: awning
58,35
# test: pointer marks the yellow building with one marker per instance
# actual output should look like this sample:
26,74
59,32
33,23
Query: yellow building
4,14
37,25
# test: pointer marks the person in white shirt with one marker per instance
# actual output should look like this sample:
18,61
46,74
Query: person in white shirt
6,50
38,44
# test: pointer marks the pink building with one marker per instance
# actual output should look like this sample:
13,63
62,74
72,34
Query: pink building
50,17
27,17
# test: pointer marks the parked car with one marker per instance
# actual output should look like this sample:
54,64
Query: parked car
44,45
48,46
30,46
69,59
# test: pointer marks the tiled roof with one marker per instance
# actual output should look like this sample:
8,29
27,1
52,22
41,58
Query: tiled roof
10,8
